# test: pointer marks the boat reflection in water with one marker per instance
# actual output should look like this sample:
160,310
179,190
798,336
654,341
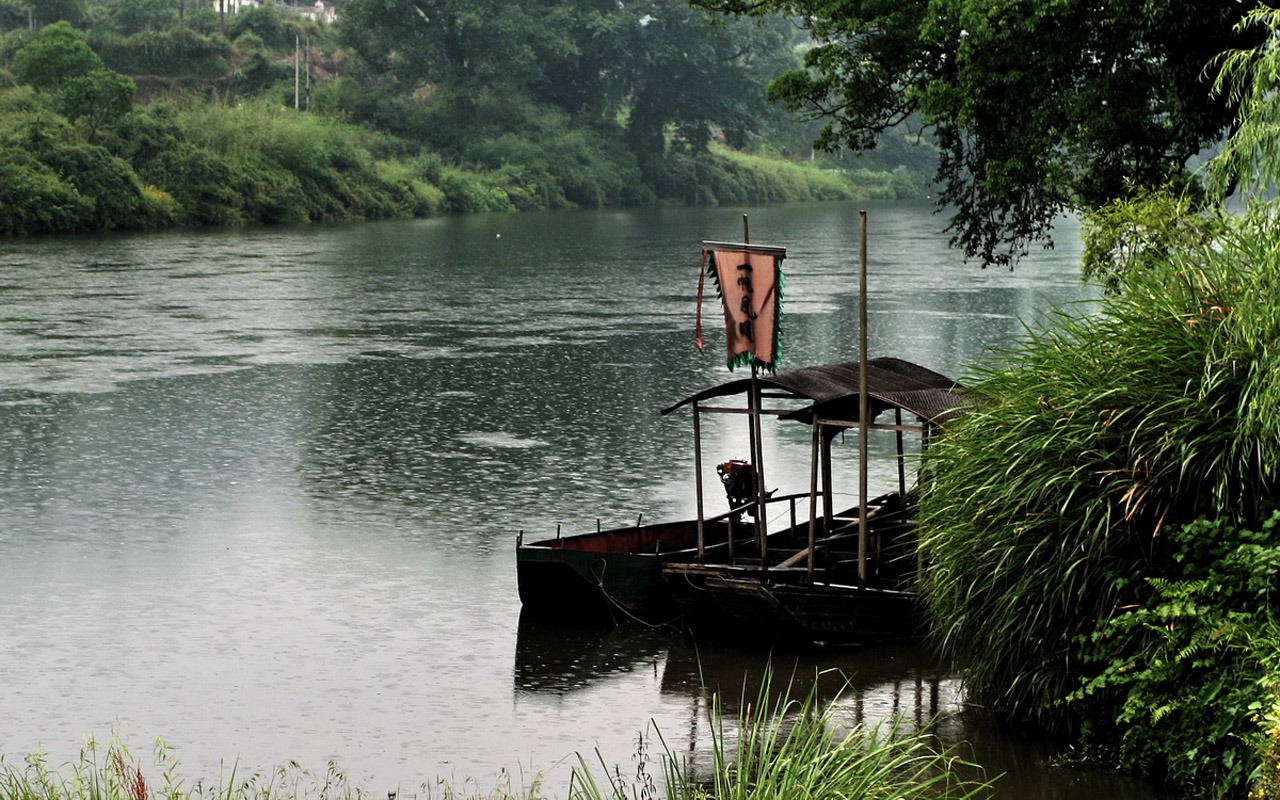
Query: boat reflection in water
893,683
557,658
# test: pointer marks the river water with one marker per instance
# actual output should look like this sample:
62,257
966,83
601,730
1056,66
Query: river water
260,489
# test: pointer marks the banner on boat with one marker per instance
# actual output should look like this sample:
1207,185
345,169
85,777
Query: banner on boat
749,278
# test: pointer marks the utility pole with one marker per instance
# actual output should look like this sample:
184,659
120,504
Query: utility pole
307,87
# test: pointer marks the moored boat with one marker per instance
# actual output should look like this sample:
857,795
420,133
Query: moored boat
828,576
801,581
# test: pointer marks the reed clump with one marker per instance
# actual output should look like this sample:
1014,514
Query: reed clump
783,747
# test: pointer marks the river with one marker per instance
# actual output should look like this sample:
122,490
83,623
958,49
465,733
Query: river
261,488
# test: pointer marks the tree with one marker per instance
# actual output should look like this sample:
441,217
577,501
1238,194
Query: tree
1037,107
57,54
50,11
677,70
99,98
465,44
695,77
265,22
132,16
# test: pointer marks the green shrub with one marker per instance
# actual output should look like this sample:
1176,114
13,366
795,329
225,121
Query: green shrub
264,21
1131,234
171,53
56,181
467,192
290,166
203,186
416,194
34,199
720,176
1183,683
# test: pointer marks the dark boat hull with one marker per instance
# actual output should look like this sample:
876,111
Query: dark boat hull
612,574
787,607
653,574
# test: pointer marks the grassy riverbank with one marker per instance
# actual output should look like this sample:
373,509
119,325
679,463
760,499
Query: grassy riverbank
786,748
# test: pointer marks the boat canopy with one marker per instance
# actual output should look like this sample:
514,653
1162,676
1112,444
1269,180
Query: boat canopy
832,390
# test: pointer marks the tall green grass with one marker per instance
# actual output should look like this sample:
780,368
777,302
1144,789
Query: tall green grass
786,747
1044,507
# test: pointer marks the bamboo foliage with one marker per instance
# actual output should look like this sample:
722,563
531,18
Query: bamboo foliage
1250,160
1162,406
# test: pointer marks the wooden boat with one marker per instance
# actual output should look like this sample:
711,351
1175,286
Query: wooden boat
607,574
827,578
801,582
833,581
617,574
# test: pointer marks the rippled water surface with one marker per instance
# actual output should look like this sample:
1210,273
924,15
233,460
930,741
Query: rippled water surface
260,490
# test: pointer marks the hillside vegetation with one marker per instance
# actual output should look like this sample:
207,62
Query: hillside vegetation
129,114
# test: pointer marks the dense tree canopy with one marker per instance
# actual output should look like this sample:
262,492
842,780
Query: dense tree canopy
1037,107
670,69
686,73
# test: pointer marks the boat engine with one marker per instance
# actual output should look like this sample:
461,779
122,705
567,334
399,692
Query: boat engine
739,479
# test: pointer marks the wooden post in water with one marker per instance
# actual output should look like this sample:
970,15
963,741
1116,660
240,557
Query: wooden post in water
864,403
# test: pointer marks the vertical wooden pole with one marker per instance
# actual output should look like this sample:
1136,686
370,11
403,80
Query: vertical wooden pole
697,478
902,455
813,491
864,404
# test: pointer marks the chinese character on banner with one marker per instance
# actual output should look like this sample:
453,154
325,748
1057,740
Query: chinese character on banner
749,278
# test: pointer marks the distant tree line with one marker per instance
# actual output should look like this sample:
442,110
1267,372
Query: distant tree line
144,113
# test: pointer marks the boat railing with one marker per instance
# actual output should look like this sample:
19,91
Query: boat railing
737,511
733,518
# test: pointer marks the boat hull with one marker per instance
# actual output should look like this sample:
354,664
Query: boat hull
786,607
613,574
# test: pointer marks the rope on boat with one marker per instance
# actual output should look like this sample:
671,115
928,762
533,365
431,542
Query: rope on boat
599,576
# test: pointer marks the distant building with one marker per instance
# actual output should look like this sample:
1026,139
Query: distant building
320,11
235,6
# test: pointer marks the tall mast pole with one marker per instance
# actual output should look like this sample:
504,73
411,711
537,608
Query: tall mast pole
864,403
757,443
